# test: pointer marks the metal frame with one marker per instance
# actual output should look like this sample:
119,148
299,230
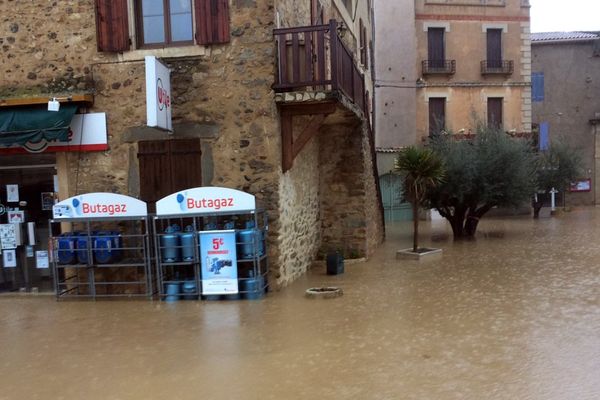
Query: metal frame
67,278
166,271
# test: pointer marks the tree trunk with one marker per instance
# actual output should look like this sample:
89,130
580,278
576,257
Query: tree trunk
415,227
537,207
471,225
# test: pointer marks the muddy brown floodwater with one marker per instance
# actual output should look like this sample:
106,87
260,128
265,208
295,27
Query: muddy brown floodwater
513,315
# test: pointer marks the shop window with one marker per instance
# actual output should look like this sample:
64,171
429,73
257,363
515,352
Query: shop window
162,23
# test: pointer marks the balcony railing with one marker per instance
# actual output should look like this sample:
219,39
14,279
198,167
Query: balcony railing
441,67
314,58
497,67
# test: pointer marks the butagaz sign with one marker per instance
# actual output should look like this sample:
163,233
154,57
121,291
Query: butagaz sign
205,199
158,94
99,205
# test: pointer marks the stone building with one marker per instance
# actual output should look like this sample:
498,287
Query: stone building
283,115
453,60
566,81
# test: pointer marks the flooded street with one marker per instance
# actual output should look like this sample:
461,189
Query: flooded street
512,315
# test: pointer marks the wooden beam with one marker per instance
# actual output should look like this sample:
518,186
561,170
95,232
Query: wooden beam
309,131
309,108
87,99
287,141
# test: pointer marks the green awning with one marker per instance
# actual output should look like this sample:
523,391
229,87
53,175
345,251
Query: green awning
34,124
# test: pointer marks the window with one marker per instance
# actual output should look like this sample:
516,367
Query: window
363,44
162,23
437,115
537,86
435,47
494,48
494,106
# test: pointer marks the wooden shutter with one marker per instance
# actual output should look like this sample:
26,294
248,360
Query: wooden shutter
495,112
437,115
537,86
112,28
168,166
363,42
212,21
494,48
435,47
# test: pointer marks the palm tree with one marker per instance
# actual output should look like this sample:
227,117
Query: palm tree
421,170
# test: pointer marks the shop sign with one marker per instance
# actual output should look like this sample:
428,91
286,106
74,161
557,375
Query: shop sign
158,94
99,205
219,262
582,185
208,199
87,132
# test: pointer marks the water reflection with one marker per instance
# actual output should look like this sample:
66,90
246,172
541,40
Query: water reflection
514,314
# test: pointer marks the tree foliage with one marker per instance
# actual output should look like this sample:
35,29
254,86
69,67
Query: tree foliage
421,170
490,170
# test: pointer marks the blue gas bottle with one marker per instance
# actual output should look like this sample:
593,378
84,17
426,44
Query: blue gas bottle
107,247
187,243
169,244
252,286
67,243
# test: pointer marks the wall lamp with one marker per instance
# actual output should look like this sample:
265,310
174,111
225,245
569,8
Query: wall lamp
54,103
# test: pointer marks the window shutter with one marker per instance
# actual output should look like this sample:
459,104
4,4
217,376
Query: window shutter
494,48
537,86
112,28
544,136
212,21
435,47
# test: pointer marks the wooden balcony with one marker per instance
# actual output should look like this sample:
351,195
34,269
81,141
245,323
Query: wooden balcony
315,59
497,67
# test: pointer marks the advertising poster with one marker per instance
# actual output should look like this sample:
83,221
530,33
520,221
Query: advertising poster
9,258
16,217
8,236
41,259
12,193
219,262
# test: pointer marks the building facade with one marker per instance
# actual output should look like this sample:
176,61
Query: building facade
454,63
241,116
566,81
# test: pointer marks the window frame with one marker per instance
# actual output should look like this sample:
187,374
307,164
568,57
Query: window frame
139,27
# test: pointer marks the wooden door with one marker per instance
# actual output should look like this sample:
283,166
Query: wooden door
168,166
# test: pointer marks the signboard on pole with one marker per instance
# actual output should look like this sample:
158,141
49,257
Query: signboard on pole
158,94
219,262
205,199
99,205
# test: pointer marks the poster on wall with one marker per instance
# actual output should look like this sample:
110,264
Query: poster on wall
12,193
582,185
9,258
41,259
47,200
8,236
16,217
219,262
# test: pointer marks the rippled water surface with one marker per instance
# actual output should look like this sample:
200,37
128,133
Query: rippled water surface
512,315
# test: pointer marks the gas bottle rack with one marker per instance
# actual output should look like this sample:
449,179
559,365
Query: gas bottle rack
175,271
114,261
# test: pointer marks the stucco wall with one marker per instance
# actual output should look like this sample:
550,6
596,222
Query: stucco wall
571,87
395,73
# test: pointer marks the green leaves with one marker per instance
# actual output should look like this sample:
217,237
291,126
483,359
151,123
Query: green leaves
421,169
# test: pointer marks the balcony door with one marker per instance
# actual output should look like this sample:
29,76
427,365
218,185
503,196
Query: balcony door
494,48
435,47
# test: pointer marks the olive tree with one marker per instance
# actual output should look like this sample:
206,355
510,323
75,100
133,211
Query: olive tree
491,169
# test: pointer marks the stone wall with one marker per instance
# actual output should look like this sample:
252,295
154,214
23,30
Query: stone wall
299,215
